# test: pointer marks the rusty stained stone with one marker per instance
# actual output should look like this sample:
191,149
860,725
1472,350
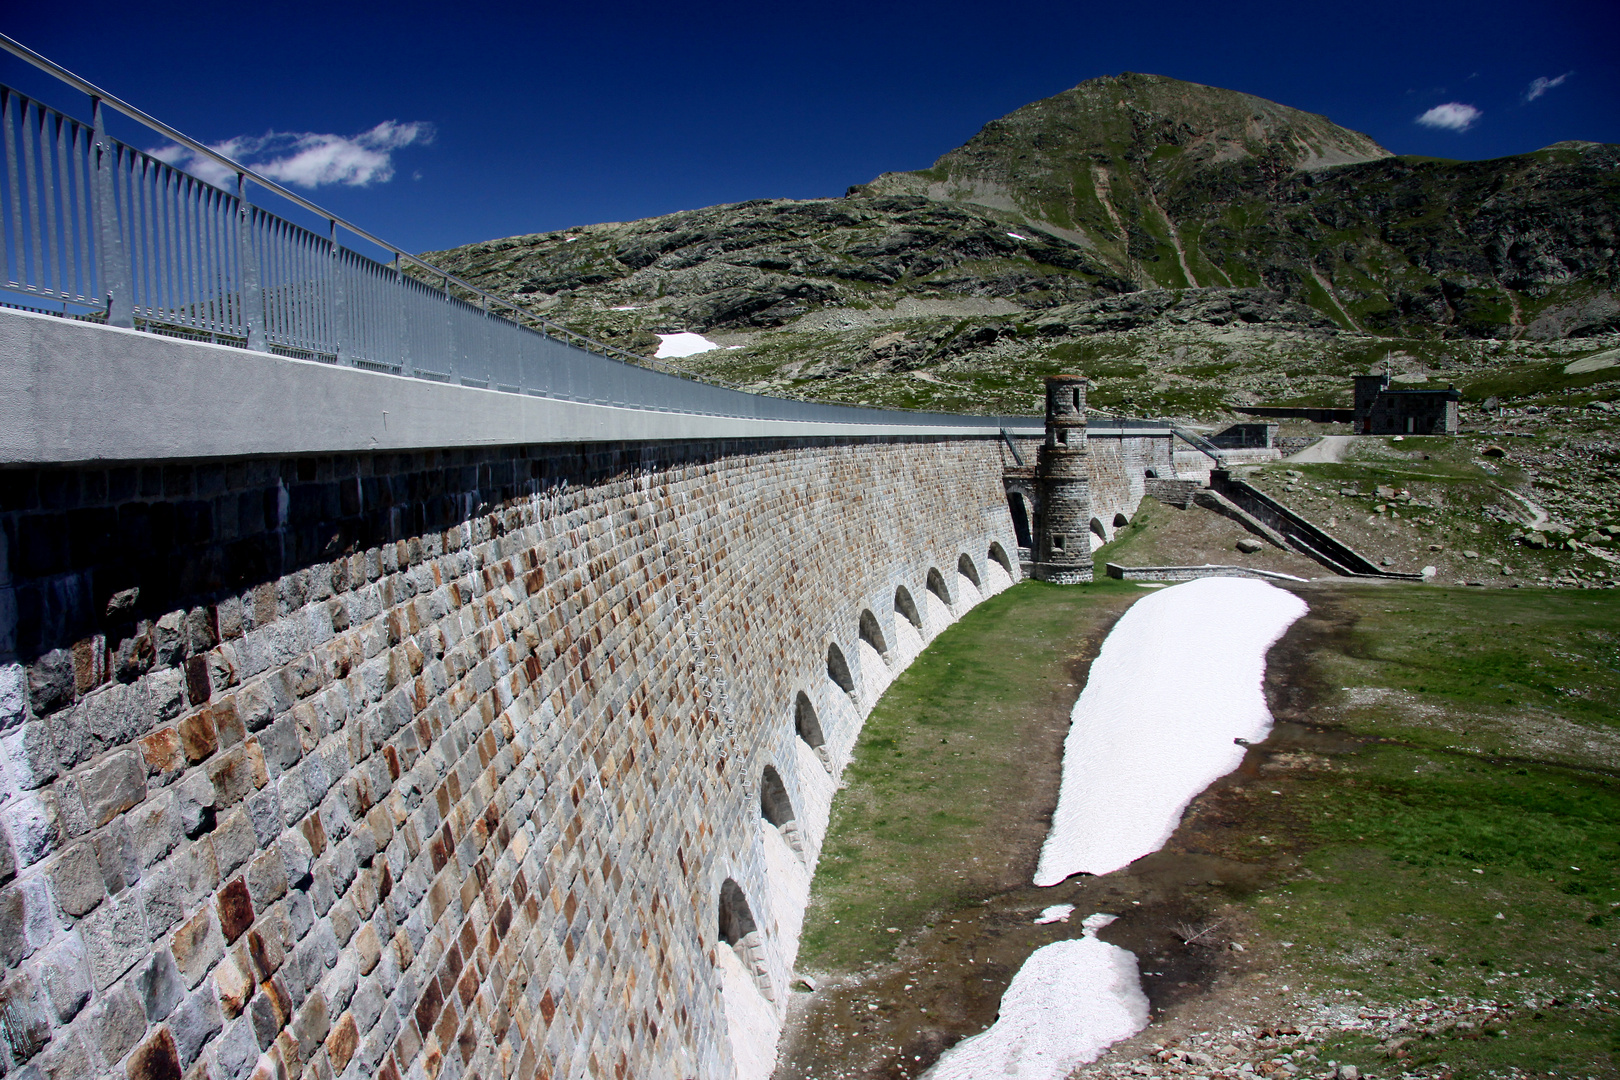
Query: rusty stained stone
340,1044
235,909
198,736
428,1006
155,1059
234,987
162,752
198,689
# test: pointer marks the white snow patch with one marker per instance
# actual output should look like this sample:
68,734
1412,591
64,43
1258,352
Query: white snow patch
625,307
1069,1002
1015,236
1151,585
1056,913
675,346
1176,681
751,1021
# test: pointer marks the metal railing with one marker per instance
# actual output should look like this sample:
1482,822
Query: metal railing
95,224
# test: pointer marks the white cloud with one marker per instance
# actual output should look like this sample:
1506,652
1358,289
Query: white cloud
307,159
1452,116
1542,84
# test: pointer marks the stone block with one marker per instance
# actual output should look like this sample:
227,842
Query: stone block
113,1024
292,796
115,850
155,828
342,1041
162,754
76,879
115,938
31,824
50,682
159,985
280,744
27,920
197,1020
118,714
198,736
71,814
165,694
368,948
194,803
29,753
234,842
232,775
26,1014
197,946
264,811
64,972
166,896
198,689
367,1004
235,909
267,878
156,1059
66,1058
168,638
234,987
113,785
227,722
13,695
237,1050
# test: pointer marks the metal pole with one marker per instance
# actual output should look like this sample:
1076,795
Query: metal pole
252,287
339,299
117,282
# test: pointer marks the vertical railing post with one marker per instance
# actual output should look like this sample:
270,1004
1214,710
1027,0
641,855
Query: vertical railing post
252,283
452,368
403,330
117,281
340,307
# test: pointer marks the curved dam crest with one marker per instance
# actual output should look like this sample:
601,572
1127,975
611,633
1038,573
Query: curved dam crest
466,755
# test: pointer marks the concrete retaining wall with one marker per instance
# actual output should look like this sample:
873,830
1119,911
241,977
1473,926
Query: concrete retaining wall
399,765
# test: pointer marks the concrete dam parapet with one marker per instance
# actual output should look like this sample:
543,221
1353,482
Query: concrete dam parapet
484,762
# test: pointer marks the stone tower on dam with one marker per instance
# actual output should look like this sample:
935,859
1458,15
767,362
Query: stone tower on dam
1063,474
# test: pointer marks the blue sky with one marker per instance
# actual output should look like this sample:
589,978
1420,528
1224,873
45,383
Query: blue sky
533,117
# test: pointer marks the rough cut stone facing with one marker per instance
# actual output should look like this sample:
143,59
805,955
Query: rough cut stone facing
27,1026
32,827
113,1024
64,972
402,812
235,910
114,937
113,785
159,984
76,880
156,1058
197,946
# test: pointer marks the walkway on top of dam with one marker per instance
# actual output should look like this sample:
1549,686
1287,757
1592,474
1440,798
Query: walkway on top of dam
182,319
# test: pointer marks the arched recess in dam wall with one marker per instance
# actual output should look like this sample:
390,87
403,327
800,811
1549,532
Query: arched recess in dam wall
399,765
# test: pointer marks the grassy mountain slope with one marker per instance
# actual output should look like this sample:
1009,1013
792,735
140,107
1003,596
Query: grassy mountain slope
1189,247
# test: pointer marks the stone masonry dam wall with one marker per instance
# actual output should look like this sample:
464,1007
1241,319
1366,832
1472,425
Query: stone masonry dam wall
410,765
